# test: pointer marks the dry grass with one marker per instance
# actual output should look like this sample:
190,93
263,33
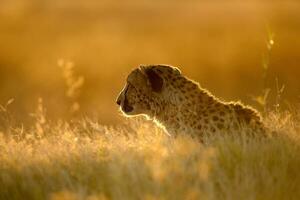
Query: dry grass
85,160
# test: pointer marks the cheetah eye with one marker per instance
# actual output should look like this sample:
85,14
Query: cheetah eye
132,87
129,86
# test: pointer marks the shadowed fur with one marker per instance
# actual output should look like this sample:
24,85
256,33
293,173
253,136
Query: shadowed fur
180,105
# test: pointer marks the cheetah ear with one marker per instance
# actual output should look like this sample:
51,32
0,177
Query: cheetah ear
155,80
177,70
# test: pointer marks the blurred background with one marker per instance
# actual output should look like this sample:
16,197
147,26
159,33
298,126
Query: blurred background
236,49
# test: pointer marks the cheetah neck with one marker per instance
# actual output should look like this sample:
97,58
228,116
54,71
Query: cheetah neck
185,107
177,114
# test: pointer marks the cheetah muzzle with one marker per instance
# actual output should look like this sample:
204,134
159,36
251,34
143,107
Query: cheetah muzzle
180,105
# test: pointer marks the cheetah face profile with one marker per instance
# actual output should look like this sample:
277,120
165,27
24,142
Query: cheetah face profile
179,105
142,91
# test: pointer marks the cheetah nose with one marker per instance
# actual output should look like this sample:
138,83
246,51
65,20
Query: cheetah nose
119,102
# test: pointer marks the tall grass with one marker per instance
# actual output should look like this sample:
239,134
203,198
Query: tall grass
82,159
85,160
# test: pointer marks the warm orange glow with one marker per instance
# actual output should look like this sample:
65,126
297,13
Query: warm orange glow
221,44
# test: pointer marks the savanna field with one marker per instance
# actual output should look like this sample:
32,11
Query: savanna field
83,159
62,65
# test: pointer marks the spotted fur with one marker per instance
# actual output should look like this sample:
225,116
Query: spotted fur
180,105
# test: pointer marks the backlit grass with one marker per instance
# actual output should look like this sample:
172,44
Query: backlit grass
85,160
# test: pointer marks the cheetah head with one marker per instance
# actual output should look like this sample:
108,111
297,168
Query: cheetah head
145,90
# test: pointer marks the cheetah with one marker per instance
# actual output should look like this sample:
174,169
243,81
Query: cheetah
179,105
